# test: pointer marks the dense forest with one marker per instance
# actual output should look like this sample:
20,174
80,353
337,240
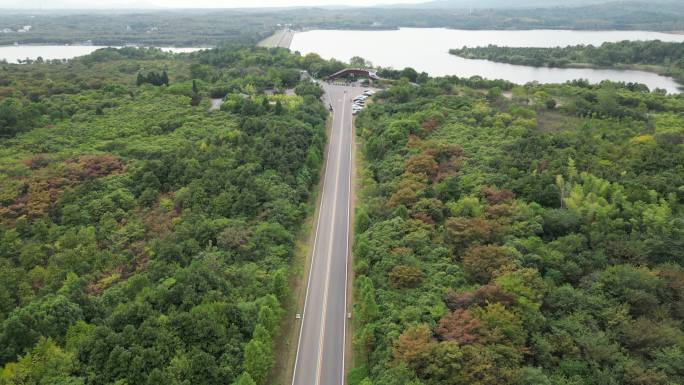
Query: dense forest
197,28
145,239
666,58
528,235
520,235
215,27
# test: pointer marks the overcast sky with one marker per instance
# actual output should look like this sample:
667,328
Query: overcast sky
100,4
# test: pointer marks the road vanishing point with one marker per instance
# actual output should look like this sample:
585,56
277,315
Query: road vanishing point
320,356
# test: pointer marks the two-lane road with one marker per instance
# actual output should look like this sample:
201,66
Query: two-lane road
321,347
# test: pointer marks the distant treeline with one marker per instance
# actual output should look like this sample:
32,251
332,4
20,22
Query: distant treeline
207,28
668,56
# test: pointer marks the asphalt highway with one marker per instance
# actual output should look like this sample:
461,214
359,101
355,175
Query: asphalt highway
321,347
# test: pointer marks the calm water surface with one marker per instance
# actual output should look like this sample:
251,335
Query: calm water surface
427,49
13,53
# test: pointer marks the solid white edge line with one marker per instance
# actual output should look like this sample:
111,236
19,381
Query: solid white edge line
346,254
313,251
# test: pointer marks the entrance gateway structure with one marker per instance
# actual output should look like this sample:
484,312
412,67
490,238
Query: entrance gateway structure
356,72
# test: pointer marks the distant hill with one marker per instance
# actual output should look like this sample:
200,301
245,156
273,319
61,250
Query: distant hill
77,4
510,3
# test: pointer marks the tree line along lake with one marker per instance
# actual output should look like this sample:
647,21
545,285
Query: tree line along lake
427,49
15,53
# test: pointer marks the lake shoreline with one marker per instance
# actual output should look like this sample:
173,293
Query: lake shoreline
97,45
427,50
465,28
14,54
265,41
656,69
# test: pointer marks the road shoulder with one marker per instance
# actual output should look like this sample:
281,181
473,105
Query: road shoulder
288,336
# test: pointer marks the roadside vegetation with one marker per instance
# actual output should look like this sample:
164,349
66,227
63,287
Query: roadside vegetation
520,235
656,56
143,238
505,234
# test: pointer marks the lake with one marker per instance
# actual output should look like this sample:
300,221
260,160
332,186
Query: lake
13,53
427,49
